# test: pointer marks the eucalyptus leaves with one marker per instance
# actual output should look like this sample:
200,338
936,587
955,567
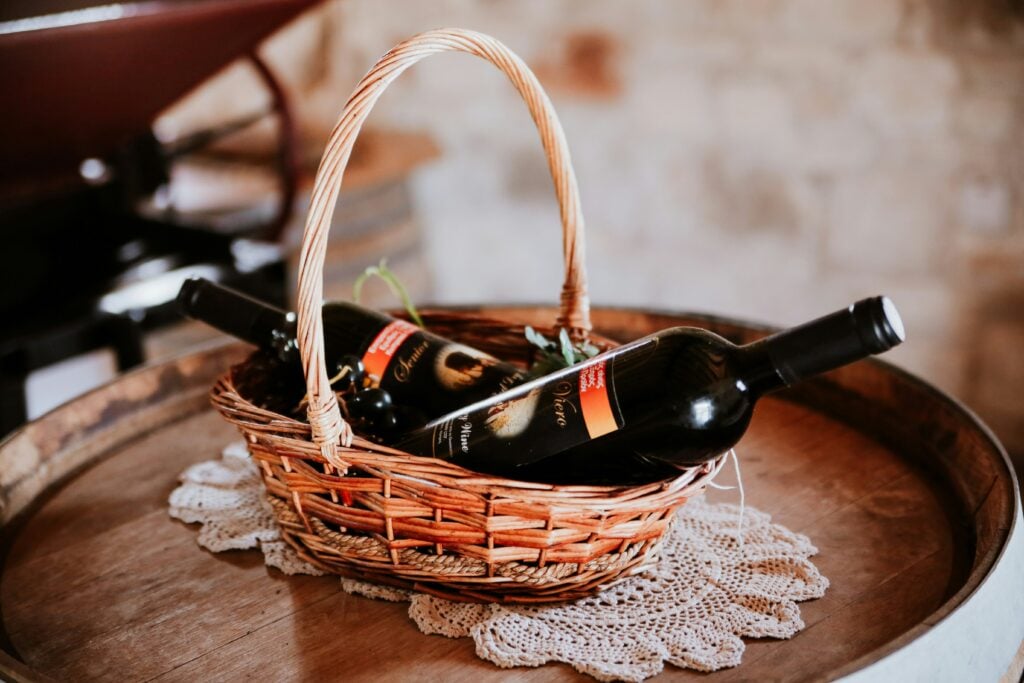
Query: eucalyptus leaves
557,355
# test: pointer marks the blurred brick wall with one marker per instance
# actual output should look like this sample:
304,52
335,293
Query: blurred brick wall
770,159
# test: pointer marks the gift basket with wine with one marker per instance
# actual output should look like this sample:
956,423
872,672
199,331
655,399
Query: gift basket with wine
480,459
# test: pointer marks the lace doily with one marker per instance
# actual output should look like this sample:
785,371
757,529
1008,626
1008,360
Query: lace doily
705,594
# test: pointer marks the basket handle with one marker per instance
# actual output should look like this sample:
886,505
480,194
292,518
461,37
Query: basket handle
324,415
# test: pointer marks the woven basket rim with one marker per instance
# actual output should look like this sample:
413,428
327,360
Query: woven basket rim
367,455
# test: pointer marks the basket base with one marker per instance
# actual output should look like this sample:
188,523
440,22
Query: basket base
501,590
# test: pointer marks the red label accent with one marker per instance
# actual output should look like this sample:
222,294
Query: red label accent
595,402
380,352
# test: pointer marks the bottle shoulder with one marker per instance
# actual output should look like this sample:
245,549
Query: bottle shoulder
690,335
685,350
344,311
347,326
685,370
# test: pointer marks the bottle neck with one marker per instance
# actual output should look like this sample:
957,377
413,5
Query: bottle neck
868,327
758,372
242,316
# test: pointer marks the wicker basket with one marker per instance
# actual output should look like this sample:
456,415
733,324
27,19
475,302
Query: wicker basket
365,511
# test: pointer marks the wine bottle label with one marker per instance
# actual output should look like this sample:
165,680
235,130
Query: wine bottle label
463,370
382,349
572,408
595,404
407,362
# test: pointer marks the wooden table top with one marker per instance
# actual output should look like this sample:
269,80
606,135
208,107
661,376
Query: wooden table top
99,583
102,584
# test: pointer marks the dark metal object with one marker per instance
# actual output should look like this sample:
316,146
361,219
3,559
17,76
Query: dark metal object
83,267
287,151
81,90
18,359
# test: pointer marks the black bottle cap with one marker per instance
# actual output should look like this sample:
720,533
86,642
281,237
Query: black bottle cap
188,294
878,323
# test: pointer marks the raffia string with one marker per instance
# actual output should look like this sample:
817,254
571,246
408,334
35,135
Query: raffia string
739,484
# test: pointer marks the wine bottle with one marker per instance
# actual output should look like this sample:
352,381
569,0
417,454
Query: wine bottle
415,367
673,399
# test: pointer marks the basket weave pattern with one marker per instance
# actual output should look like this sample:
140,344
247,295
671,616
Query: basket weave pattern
366,511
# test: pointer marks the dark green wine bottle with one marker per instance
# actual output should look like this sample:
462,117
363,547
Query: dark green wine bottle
673,399
417,368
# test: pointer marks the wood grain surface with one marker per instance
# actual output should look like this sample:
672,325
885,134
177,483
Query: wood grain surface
99,583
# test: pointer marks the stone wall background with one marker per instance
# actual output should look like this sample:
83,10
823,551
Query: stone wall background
769,159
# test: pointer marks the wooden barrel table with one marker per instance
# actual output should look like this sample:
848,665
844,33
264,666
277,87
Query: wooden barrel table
909,498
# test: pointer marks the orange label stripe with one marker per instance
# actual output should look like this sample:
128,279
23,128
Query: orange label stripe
380,352
595,402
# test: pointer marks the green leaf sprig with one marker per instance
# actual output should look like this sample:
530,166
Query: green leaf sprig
555,356
394,284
